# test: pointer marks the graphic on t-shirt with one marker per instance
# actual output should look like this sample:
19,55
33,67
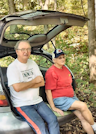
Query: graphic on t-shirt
28,73
69,74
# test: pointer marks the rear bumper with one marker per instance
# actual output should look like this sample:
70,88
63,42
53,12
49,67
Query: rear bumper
10,125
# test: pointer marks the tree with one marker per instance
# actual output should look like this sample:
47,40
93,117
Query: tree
11,6
55,4
92,42
26,4
11,11
44,5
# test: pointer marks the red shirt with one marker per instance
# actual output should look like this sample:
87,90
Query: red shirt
59,81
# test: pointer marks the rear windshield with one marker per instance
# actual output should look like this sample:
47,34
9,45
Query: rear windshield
23,32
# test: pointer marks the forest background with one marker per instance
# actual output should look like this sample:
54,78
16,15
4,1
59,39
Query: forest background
73,41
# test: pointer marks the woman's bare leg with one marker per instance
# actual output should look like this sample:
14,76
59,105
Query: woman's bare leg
85,112
87,127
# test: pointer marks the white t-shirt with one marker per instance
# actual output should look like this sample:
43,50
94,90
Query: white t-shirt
23,72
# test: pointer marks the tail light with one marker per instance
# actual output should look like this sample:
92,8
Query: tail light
3,100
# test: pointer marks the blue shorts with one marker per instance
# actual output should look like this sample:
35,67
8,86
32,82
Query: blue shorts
64,103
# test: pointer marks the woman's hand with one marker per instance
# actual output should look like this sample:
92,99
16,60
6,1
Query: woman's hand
58,111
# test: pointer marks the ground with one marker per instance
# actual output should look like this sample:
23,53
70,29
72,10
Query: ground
75,127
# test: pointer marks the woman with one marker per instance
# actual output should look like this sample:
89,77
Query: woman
60,93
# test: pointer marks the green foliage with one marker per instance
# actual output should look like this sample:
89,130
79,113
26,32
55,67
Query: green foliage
3,7
22,32
4,62
69,6
41,61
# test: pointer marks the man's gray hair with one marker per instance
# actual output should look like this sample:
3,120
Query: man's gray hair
17,44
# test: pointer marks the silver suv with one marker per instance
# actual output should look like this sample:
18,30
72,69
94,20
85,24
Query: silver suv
29,25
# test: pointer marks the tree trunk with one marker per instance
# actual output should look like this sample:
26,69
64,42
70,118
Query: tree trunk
12,10
40,3
92,42
25,2
11,6
55,5
46,5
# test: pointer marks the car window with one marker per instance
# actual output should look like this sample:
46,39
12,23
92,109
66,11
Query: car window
41,61
49,47
23,32
4,62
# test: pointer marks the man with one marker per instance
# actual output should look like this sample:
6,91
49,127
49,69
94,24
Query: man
60,93
24,80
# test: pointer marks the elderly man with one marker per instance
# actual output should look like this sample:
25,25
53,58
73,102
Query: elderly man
24,80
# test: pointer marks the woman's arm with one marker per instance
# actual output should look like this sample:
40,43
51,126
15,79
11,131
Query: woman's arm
50,100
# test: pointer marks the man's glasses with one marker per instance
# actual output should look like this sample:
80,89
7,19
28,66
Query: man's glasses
25,49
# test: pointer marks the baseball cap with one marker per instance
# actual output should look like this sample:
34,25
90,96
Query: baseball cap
57,53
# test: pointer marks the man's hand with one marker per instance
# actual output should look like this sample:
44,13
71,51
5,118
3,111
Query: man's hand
38,79
58,111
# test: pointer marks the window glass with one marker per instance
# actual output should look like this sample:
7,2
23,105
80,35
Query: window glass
4,62
49,47
41,61
22,32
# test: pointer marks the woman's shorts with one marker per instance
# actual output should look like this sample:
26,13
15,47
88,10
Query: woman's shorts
64,103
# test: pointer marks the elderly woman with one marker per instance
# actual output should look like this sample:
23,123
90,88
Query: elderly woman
60,93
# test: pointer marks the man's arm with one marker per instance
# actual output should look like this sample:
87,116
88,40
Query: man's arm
35,83
50,100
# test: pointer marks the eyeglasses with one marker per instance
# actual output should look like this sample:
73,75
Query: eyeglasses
61,58
25,49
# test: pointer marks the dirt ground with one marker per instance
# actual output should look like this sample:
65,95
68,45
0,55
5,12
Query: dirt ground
75,127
